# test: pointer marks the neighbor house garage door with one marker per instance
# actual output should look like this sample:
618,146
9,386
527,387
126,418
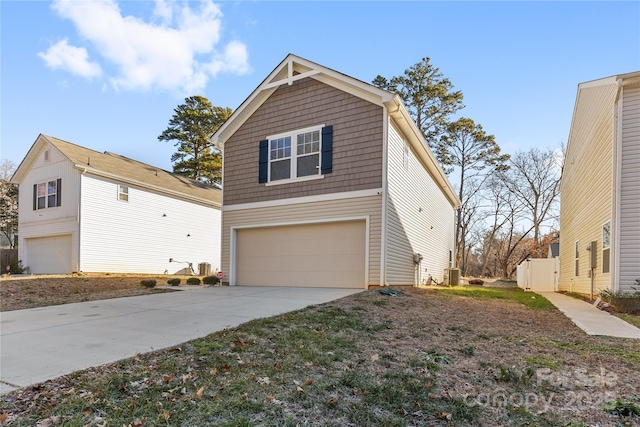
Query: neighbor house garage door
49,255
320,255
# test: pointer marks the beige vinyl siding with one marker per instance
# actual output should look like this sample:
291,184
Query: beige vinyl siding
143,233
629,248
357,143
587,185
305,213
420,219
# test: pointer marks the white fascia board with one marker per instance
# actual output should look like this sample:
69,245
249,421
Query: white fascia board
309,70
147,186
410,130
304,199
240,115
28,160
292,78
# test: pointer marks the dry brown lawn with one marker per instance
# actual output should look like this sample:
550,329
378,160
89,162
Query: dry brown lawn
428,357
40,291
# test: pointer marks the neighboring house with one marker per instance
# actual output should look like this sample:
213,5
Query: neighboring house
82,210
328,182
600,188
554,250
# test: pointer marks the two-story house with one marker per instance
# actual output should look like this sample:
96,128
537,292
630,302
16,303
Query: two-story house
83,210
600,188
328,182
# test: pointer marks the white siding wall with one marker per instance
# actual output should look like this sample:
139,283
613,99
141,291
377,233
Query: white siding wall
630,190
50,221
420,219
135,237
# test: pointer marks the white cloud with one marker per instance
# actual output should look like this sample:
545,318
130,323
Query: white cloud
177,48
163,11
70,58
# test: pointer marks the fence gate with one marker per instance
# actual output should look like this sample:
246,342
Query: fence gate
7,256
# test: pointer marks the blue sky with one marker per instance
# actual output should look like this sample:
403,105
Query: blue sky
107,75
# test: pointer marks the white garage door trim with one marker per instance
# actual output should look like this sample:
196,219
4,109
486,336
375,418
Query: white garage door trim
50,254
233,240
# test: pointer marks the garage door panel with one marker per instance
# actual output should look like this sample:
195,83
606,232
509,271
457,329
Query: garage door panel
49,255
325,255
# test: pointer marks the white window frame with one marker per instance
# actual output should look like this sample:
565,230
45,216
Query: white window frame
606,247
576,270
293,171
47,194
123,193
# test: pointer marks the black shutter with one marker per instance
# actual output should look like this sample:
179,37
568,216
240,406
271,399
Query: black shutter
35,196
263,161
326,164
59,195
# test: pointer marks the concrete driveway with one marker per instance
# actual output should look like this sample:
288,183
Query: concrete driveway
44,343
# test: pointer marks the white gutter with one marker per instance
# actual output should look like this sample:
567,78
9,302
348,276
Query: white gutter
409,128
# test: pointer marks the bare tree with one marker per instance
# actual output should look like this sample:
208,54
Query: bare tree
475,154
497,216
534,179
8,202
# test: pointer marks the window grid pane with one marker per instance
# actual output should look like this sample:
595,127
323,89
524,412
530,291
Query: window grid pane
308,143
280,148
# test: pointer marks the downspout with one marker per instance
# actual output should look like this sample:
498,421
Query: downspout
615,194
228,273
385,170
79,220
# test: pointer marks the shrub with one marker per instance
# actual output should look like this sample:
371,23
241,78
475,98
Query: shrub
624,302
174,282
16,267
148,283
210,280
193,281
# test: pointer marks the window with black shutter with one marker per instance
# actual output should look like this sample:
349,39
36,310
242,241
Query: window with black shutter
298,155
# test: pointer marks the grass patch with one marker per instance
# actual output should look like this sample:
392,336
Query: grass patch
297,368
529,299
543,360
630,318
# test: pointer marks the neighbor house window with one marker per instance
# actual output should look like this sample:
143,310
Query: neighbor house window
46,155
606,247
577,259
123,193
301,154
47,194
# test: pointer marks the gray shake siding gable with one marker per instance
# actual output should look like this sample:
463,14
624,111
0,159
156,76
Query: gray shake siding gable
357,143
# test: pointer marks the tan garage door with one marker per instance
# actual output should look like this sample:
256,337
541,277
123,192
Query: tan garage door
49,255
317,255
